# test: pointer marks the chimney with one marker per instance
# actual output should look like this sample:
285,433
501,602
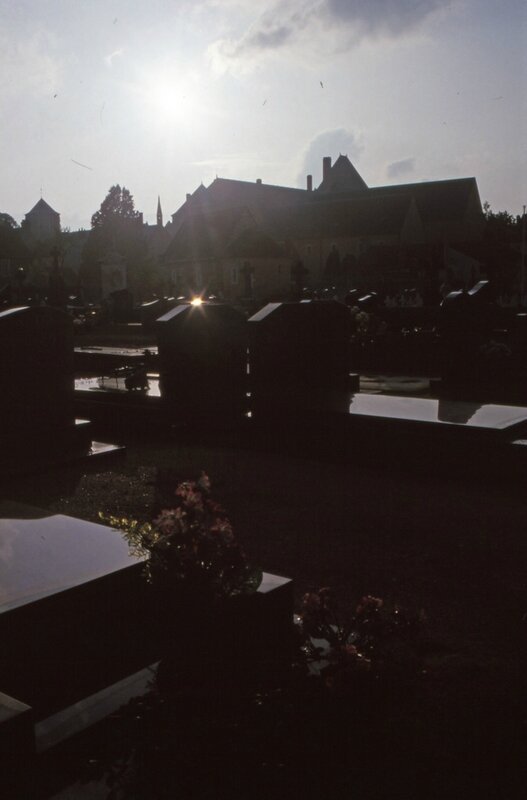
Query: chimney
258,180
309,183
326,166
188,196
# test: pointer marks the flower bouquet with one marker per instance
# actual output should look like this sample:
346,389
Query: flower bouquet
193,544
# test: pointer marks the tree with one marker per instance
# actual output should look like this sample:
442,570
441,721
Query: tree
116,228
117,206
501,226
7,221
502,238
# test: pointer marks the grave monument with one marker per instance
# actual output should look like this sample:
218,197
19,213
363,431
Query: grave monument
37,420
298,356
203,359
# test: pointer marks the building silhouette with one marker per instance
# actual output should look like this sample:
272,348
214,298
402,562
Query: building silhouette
41,224
253,241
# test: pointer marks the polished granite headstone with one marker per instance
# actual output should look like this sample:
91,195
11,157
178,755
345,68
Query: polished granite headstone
69,594
36,364
76,614
488,417
203,358
83,634
298,354
38,427
422,432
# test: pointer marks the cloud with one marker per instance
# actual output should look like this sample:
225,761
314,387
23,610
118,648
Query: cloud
328,143
381,17
109,59
279,25
333,24
399,168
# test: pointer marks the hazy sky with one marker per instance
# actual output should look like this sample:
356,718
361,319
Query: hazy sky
161,95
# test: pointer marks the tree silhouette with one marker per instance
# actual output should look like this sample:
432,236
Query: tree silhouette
117,206
117,228
6,220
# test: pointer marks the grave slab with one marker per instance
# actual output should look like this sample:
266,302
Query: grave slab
69,594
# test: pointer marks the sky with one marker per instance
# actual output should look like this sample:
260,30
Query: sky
162,95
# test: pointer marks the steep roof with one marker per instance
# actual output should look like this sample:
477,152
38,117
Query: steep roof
204,235
226,193
362,215
342,177
436,200
40,206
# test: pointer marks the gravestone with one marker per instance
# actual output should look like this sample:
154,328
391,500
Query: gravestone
466,325
203,359
36,364
149,312
121,304
82,630
37,419
70,595
298,355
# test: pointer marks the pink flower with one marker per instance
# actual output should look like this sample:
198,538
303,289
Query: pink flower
214,507
167,520
369,603
204,482
311,602
223,527
185,487
189,495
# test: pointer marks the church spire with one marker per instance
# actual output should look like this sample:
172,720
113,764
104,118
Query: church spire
159,213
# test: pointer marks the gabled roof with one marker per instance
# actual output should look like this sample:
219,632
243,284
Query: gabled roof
361,215
436,200
226,193
42,206
342,177
204,235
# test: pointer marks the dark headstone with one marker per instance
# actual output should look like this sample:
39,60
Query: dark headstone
77,617
36,364
37,420
466,324
17,746
121,303
150,311
203,358
69,593
298,354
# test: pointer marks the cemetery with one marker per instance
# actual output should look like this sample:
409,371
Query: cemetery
150,643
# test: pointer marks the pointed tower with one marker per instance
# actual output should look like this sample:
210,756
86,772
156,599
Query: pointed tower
159,213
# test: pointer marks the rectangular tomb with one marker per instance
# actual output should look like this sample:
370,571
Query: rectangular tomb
69,591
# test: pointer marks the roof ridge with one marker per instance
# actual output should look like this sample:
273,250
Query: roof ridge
401,186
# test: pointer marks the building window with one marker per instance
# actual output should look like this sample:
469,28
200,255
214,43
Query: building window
234,275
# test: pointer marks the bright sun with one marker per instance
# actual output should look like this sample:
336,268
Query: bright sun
170,103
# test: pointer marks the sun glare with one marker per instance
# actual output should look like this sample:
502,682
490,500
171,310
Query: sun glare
172,102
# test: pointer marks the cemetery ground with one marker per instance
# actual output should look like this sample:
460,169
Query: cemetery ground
455,548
